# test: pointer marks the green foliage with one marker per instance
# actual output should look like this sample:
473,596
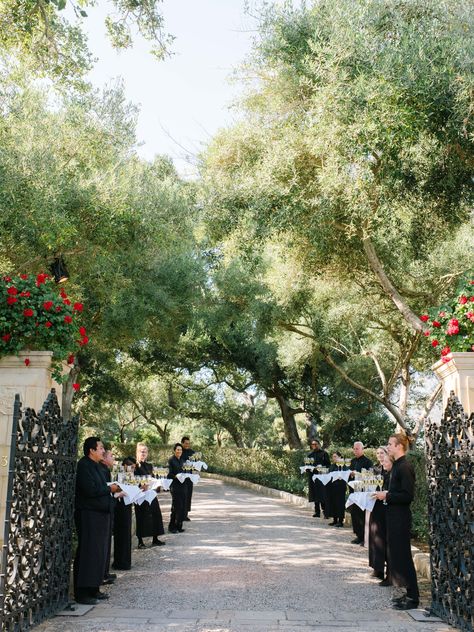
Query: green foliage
51,41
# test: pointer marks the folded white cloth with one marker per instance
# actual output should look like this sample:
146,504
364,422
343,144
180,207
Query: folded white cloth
156,483
324,478
364,500
341,476
197,465
131,492
306,468
182,476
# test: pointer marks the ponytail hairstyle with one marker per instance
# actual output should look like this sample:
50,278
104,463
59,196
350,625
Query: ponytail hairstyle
403,439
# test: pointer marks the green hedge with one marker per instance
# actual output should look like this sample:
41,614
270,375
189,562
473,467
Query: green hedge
279,469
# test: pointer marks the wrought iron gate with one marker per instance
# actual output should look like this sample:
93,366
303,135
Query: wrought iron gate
450,469
36,559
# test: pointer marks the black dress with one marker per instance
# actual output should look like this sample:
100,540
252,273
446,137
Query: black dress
316,492
336,496
122,536
92,513
178,494
358,516
148,515
188,483
378,532
399,497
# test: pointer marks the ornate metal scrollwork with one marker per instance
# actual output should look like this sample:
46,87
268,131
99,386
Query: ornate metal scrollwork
450,469
40,514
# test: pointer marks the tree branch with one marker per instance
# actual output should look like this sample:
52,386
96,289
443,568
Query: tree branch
388,287
393,410
420,422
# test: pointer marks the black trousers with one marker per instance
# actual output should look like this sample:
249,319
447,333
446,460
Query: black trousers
122,536
93,529
358,521
178,505
189,494
378,537
400,561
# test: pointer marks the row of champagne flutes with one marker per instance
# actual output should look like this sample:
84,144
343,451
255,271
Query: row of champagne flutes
367,481
128,476
341,462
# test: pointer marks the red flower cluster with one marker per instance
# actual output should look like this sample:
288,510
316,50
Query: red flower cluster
453,323
36,314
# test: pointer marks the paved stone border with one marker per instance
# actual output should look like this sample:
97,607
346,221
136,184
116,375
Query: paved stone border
420,559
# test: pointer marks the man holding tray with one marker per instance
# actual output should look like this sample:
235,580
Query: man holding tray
92,517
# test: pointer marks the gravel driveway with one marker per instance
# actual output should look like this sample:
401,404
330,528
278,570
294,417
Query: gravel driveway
246,562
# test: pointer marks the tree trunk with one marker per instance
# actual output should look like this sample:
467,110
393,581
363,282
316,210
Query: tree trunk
68,393
289,422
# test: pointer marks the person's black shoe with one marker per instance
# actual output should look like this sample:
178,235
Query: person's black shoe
181,530
101,596
87,601
316,515
340,525
158,543
141,545
356,541
333,524
406,604
377,574
398,599
173,530
386,582
361,544
111,576
187,519
107,581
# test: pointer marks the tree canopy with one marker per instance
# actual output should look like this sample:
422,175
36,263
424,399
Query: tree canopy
278,295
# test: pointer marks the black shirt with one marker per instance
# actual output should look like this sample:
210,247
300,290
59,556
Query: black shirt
187,453
360,463
320,457
402,483
92,491
175,466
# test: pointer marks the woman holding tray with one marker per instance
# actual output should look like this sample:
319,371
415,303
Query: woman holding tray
378,524
336,493
148,515
177,489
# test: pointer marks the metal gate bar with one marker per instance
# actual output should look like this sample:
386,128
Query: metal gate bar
36,556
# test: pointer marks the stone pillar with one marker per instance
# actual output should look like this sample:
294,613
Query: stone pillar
33,383
458,375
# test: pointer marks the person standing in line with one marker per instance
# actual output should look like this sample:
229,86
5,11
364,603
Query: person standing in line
123,528
92,519
316,488
177,489
187,452
148,515
336,493
107,463
399,498
358,463
378,524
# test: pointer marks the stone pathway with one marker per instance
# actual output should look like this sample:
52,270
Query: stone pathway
246,563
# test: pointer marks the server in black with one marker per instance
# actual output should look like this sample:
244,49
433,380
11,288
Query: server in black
316,488
177,489
187,452
92,513
399,497
358,463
